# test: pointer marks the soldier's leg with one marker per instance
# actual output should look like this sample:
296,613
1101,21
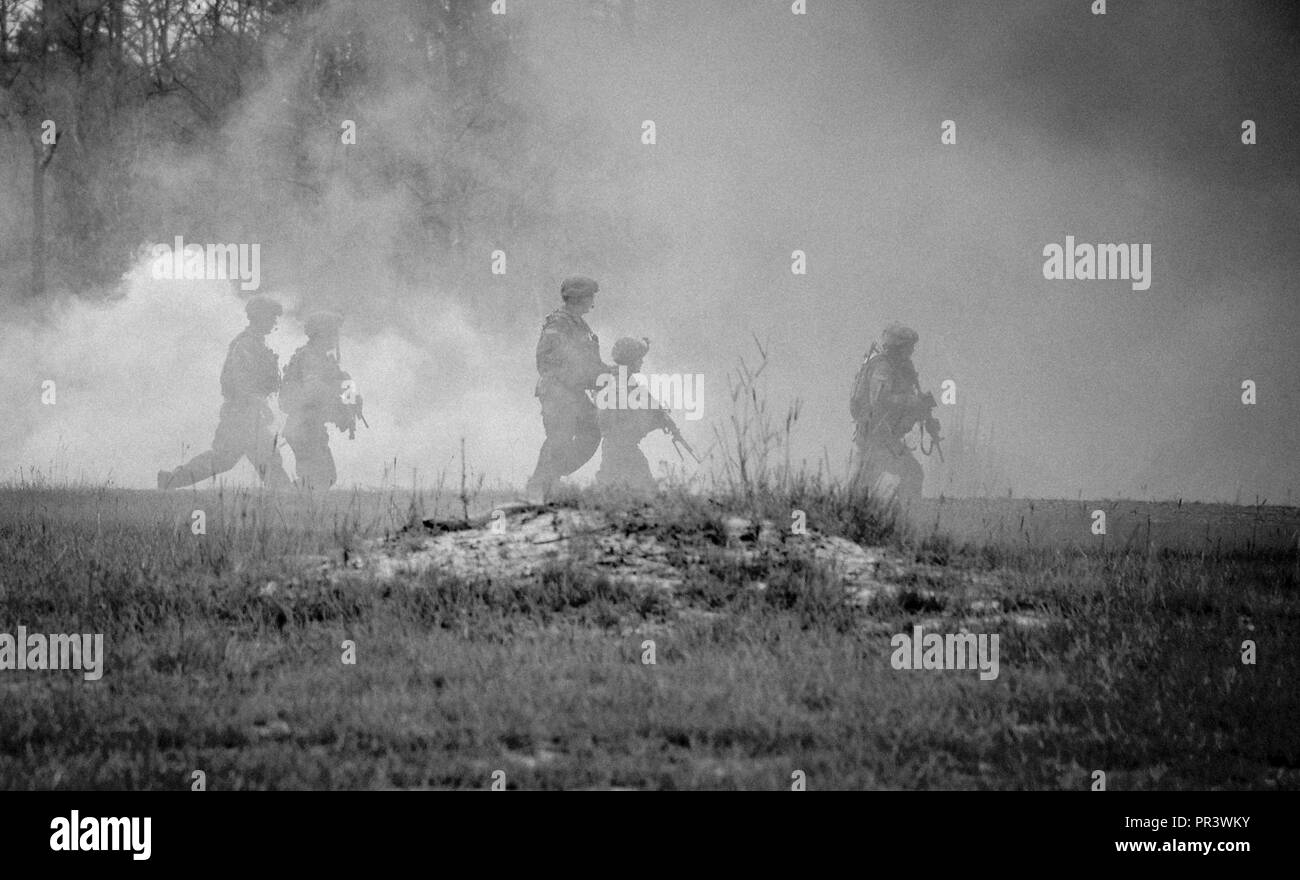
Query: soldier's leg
860,480
624,465
911,477
867,475
889,476
201,467
641,477
224,454
329,473
264,453
585,439
560,423
311,452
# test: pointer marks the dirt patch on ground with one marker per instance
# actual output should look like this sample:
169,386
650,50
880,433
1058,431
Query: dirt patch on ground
519,542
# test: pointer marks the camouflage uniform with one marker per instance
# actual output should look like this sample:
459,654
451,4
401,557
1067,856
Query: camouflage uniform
311,397
568,361
246,426
886,404
621,461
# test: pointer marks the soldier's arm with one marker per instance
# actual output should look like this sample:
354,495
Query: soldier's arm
551,359
882,401
902,400
653,420
326,380
661,419
582,364
593,369
341,379
559,358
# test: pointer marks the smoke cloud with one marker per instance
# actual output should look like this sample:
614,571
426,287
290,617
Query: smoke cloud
775,133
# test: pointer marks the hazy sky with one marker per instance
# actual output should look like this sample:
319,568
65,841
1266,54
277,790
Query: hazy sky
779,132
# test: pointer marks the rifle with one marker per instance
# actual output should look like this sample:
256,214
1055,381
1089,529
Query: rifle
670,427
355,410
357,413
930,424
679,442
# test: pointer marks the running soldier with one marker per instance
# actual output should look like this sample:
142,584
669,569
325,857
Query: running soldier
249,376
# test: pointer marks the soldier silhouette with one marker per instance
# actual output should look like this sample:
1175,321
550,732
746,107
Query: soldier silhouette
245,428
622,463
312,396
886,404
569,365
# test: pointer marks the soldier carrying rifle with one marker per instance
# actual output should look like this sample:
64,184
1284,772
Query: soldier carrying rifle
315,392
569,365
886,403
621,461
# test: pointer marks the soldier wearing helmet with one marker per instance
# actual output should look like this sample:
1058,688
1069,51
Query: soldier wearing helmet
249,376
886,405
622,463
312,396
569,365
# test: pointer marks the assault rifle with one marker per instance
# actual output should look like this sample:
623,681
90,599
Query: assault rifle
679,442
354,409
355,412
930,425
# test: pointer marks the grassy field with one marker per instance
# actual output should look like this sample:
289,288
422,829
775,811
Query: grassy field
224,654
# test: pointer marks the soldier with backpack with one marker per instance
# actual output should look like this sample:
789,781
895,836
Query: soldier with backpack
886,404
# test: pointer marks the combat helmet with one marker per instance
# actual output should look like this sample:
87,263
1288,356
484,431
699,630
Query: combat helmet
578,286
262,306
318,323
628,350
898,336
